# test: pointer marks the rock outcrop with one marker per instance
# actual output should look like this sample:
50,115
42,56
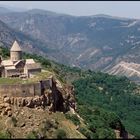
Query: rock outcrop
130,70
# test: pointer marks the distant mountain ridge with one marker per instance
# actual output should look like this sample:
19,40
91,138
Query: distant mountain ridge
8,8
4,10
28,44
97,42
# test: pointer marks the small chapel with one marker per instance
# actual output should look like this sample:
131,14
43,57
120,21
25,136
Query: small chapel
18,67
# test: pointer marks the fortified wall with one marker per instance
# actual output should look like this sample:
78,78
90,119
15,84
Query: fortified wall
25,90
45,93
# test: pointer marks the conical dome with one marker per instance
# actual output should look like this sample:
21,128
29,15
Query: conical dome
15,47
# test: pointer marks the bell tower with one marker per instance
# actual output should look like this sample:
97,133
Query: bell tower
15,52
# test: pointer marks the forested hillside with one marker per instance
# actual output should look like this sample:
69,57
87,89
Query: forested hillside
116,94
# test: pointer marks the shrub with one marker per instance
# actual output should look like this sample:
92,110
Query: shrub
73,118
14,120
61,134
32,135
48,125
105,133
4,135
87,133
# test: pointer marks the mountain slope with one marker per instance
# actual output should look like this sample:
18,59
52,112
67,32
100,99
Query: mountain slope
28,44
130,70
117,94
98,97
99,112
93,42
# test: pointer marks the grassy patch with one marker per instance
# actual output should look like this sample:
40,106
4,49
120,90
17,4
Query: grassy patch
36,78
40,76
4,135
32,135
10,81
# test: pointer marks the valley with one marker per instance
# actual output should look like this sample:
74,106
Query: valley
92,42
96,64
96,42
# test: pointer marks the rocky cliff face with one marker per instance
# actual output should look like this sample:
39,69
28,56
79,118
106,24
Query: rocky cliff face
57,98
22,116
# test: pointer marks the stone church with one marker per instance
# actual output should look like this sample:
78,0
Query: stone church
18,67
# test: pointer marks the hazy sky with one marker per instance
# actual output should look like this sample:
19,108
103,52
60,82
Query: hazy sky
129,9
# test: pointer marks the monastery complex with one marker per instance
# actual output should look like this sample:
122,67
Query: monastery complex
18,67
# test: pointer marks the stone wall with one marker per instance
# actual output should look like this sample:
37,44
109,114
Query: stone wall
24,90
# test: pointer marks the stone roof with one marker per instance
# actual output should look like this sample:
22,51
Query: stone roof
16,63
15,47
30,61
7,63
33,66
10,68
